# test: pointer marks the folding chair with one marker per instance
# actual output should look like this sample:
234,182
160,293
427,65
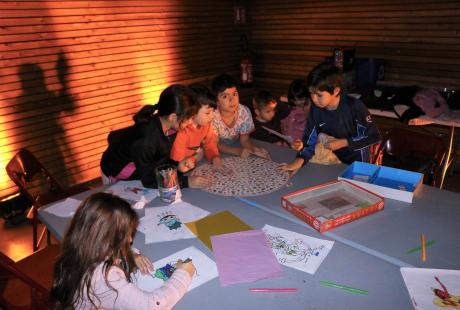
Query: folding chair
27,283
24,169
414,151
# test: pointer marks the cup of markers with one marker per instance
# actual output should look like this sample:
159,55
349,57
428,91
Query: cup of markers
168,184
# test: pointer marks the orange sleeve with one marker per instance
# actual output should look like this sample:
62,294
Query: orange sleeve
179,148
210,143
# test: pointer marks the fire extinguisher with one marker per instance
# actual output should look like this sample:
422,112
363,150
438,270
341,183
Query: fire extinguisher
246,63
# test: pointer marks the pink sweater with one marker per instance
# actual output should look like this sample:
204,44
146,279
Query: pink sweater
132,297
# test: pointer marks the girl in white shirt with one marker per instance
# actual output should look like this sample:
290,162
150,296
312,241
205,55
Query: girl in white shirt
96,266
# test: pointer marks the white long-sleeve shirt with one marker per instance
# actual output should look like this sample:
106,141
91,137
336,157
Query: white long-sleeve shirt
129,295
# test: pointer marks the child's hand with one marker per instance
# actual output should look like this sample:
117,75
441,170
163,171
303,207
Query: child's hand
335,144
186,164
198,181
244,152
297,145
143,263
261,152
218,165
293,166
189,267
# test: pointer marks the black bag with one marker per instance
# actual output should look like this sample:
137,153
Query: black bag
13,209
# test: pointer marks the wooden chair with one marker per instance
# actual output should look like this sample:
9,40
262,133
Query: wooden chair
27,283
414,151
25,170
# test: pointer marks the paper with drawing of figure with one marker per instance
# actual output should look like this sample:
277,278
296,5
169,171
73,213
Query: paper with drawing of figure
433,288
133,191
298,251
206,270
64,208
167,223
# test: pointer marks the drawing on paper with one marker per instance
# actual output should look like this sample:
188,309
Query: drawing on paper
165,272
443,298
170,220
294,251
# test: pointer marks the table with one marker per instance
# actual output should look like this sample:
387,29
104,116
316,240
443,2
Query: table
367,254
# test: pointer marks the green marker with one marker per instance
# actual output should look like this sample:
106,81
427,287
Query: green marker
345,288
419,248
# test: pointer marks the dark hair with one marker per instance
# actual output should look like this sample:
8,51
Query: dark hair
176,98
98,233
262,99
297,90
203,96
324,77
222,82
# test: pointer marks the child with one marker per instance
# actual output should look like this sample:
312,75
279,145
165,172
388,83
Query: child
233,121
294,124
345,121
199,136
134,152
268,113
96,266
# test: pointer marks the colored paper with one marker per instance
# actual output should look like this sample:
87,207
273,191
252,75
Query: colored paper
206,270
168,223
244,256
433,288
133,191
216,224
297,251
64,208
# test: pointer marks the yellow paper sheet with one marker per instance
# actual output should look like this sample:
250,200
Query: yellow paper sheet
217,224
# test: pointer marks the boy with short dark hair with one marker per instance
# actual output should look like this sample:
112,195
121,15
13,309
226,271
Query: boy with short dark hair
345,121
268,113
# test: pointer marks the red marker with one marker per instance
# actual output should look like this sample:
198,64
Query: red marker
274,290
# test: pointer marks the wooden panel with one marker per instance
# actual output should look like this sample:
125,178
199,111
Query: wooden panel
419,40
71,71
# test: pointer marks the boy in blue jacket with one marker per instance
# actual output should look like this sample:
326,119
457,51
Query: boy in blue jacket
344,120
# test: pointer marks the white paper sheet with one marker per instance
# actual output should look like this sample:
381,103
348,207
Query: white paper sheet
297,251
206,269
431,288
133,191
64,208
167,223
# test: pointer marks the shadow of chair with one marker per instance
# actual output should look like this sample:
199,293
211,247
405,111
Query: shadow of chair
27,283
39,186
414,151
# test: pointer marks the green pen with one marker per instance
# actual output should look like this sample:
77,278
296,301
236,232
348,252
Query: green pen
345,288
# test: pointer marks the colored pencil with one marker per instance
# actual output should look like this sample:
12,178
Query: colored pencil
274,290
345,288
419,248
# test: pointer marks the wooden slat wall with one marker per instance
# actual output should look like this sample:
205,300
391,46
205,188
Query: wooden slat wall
418,39
71,71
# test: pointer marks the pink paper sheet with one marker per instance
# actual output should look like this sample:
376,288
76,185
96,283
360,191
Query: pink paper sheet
244,256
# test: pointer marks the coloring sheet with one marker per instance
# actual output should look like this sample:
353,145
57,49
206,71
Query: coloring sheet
252,176
64,208
133,191
298,251
206,270
433,288
167,223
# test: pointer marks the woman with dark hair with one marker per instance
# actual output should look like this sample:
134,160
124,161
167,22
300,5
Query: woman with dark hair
134,152
97,262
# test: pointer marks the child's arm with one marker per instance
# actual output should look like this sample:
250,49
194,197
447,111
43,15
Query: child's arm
251,148
368,133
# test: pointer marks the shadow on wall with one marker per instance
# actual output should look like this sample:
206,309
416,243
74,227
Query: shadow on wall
42,110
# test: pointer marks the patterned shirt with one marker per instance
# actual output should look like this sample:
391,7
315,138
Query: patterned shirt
243,125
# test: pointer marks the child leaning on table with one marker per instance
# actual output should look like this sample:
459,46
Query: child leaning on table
233,121
198,137
97,263
268,113
344,121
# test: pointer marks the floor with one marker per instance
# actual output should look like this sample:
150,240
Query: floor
16,241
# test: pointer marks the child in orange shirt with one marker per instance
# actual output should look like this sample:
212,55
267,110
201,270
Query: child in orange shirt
198,137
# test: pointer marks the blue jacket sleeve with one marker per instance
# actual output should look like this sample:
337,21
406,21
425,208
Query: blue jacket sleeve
367,131
310,137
